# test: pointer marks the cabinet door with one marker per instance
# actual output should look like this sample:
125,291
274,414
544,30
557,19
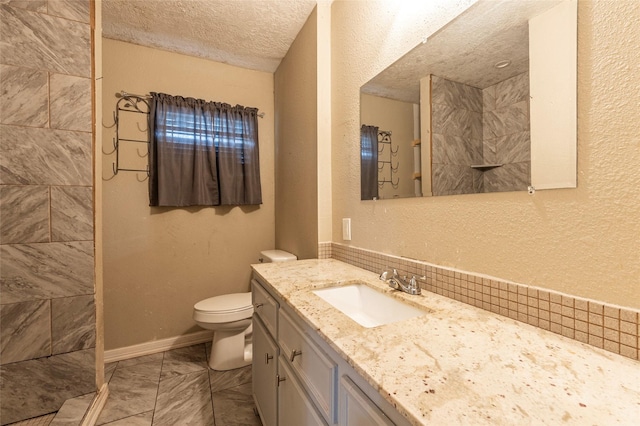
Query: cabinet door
264,365
356,409
294,406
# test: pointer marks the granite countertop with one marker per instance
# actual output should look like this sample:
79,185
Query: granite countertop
458,364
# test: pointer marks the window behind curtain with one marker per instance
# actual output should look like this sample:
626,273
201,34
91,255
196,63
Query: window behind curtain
202,153
368,162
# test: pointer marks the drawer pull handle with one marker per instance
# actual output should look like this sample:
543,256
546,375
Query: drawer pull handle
267,357
294,354
258,305
279,378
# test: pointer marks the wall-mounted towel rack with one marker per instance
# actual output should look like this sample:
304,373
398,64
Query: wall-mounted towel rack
129,103
137,104
384,141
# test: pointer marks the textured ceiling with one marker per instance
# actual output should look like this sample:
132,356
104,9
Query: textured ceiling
254,34
466,50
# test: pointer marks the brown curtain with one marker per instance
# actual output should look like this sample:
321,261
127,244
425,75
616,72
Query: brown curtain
202,153
368,162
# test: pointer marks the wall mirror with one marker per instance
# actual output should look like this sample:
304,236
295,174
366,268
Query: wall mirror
485,104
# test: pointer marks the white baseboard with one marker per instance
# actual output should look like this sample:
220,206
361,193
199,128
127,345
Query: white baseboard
156,346
94,410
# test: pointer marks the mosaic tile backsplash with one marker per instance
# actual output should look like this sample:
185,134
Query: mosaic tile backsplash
613,328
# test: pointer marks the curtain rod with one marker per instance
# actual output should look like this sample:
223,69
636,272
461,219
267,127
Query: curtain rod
123,94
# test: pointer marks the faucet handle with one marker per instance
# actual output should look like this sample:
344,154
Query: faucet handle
415,288
383,275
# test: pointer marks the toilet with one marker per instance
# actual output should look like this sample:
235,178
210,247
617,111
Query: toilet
229,316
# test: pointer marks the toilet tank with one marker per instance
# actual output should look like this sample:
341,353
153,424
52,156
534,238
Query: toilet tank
269,256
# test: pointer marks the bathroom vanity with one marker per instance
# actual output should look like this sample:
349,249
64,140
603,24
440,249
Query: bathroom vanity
453,364
298,379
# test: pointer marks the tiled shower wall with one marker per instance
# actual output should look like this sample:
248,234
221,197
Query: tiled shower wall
613,328
456,137
47,308
474,126
506,136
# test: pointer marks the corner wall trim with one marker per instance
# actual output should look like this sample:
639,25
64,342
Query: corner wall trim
94,410
156,346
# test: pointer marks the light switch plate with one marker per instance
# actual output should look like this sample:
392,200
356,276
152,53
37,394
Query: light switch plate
346,229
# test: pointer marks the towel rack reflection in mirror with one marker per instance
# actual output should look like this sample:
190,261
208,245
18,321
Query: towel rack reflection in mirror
384,139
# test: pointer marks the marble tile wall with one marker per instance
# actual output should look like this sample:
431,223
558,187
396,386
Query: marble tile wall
473,126
47,307
610,327
456,124
25,330
24,98
52,380
506,136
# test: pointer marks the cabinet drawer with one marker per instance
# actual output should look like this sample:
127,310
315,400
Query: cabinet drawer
264,306
317,372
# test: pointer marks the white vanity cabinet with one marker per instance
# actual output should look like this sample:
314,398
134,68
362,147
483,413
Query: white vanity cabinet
310,384
279,396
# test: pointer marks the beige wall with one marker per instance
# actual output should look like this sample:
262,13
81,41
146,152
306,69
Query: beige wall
397,117
582,241
296,153
158,262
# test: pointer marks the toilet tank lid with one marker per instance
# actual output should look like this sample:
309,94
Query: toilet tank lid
226,303
277,256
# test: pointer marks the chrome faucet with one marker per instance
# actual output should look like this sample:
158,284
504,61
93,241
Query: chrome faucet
403,283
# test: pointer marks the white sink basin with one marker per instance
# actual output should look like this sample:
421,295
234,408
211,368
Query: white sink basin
366,306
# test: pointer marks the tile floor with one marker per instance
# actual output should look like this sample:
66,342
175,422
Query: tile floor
176,387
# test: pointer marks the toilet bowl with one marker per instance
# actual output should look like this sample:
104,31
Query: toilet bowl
229,316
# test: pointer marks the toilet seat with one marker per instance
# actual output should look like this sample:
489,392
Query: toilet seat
225,308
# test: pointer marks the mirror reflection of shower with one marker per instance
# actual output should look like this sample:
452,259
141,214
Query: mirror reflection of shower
524,51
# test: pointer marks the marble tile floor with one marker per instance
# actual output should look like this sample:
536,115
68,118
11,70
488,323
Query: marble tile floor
172,388
36,421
